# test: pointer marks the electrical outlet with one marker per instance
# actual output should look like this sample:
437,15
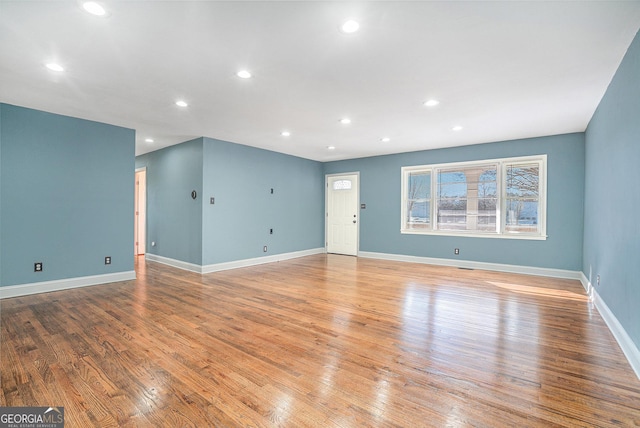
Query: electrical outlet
272,190
456,251
37,267
107,260
598,279
264,249
270,231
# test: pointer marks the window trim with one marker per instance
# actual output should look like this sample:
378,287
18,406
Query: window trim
502,163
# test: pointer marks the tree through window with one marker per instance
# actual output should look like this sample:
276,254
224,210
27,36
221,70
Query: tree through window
503,197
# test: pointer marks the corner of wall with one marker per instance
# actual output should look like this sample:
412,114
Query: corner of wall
610,246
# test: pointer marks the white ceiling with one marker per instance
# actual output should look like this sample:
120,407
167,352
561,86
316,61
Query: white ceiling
502,70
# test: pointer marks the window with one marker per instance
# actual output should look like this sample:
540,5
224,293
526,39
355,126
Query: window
342,185
493,198
467,198
418,201
522,185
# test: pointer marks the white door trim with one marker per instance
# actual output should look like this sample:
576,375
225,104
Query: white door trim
326,206
140,222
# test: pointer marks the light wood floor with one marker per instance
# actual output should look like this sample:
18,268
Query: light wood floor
320,341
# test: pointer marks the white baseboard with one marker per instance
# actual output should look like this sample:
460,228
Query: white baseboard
192,267
260,260
526,270
63,284
629,348
216,267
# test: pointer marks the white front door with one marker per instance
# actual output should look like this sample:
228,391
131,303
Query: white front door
342,214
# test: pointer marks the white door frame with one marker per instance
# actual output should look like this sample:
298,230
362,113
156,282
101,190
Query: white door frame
326,207
140,235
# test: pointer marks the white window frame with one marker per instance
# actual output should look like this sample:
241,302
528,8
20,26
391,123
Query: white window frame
501,174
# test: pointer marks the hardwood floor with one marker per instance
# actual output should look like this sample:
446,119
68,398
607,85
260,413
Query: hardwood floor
319,341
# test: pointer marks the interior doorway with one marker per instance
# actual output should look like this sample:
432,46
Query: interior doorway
342,201
140,207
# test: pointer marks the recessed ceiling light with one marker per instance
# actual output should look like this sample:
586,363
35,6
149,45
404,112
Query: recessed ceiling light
54,66
149,140
244,74
385,139
345,121
331,148
94,8
457,128
285,133
431,103
350,26
181,103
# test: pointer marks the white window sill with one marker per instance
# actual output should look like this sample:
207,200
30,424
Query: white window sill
524,236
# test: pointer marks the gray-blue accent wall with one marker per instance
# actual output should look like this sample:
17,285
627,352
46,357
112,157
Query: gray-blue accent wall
66,196
380,182
239,223
174,218
612,189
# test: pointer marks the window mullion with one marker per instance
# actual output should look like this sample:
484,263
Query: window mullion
542,174
502,203
435,197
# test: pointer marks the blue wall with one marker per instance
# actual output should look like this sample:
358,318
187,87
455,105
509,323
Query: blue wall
380,182
237,226
241,178
66,196
612,202
174,218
